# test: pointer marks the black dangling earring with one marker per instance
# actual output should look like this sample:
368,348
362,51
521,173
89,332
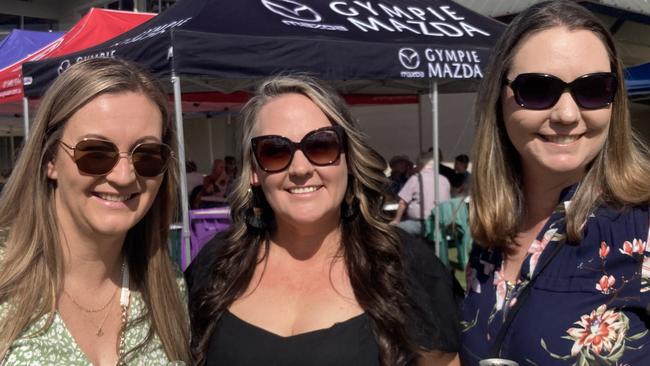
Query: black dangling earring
254,218
349,206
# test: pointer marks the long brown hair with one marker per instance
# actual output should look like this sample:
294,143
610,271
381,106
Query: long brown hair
370,247
32,265
618,175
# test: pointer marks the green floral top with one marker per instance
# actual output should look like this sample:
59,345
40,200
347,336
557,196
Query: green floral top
56,346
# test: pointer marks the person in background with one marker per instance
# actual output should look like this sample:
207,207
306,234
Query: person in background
215,183
559,208
85,272
194,178
310,272
400,169
232,172
446,171
460,187
231,166
416,198
213,191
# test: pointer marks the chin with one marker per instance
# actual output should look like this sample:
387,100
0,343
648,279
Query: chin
113,227
311,218
565,168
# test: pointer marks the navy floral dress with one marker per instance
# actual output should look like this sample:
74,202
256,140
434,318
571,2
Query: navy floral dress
589,306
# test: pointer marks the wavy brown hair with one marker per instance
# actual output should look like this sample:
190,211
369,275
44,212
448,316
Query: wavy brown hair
32,264
617,176
370,247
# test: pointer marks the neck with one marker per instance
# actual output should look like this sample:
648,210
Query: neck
91,261
541,194
319,242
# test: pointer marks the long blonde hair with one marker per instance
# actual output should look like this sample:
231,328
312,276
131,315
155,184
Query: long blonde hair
618,175
32,265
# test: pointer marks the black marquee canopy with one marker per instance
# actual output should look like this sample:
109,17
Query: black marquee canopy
361,46
224,43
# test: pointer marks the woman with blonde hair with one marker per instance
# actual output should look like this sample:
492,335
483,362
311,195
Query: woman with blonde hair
311,273
560,274
85,274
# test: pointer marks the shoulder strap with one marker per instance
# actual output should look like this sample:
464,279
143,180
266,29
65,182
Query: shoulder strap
495,350
454,214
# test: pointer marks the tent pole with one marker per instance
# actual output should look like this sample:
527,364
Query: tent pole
178,110
420,123
26,116
436,162
210,142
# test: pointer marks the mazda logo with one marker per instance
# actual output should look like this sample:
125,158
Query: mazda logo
292,10
63,66
409,58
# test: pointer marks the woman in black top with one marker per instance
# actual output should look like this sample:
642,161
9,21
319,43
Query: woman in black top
311,272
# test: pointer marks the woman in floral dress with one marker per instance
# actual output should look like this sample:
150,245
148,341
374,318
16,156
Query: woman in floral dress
560,273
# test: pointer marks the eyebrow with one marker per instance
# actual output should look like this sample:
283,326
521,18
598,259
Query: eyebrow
142,139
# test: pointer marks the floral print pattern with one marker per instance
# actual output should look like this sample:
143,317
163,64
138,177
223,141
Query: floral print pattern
606,284
600,288
601,333
538,246
56,346
599,338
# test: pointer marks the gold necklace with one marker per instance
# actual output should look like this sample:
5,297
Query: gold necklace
100,328
87,309
99,331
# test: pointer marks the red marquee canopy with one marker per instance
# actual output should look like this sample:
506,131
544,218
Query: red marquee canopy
97,26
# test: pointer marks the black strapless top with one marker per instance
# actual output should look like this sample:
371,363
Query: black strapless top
237,342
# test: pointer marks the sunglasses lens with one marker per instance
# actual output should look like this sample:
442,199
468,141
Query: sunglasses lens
151,159
322,147
95,157
273,153
537,91
594,91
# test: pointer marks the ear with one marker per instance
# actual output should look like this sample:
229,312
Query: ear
255,179
51,170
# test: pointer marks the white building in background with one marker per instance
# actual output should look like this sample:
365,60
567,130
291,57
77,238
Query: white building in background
392,129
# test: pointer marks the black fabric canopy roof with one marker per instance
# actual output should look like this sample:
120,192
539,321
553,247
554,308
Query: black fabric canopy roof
363,46
387,46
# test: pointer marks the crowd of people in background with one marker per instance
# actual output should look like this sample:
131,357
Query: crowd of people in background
412,187
211,190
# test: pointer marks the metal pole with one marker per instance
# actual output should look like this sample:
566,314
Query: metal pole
211,148
421,99
178,111
436,162
26,116
12,148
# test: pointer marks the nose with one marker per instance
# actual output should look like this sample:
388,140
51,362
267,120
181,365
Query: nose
566,110
300,165
123,172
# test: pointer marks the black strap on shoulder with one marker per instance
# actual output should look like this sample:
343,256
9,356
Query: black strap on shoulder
495,350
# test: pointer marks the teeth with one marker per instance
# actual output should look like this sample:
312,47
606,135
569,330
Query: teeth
562,139
113,197
299,190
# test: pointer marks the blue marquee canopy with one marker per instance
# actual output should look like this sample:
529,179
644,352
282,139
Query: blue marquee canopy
20,43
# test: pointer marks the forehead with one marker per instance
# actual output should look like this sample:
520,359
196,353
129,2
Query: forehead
290,115
120,117
562,52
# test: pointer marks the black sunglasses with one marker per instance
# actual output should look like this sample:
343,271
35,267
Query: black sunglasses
99,157
542,91
321,147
